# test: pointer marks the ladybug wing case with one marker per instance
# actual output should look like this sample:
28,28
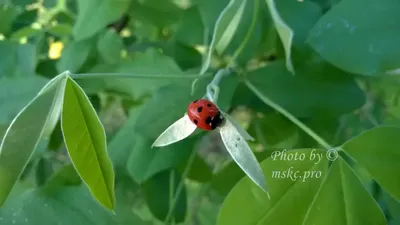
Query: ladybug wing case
179,130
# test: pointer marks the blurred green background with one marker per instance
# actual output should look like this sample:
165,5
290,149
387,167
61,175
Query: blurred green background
340,89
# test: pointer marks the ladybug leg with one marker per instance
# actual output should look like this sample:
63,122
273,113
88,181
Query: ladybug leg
217,120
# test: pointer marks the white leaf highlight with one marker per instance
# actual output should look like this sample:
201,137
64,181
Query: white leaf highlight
242,154
179,130
240,129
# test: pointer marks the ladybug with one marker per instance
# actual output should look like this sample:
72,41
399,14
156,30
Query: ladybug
204,114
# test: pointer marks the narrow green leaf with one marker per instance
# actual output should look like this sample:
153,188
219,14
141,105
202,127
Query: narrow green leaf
85,140
23,135
94,15
284,31
377,151
291,180
224,30
339,199
366,53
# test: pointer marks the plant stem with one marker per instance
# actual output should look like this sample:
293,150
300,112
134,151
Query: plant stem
180,186
135,76
213,86
288,115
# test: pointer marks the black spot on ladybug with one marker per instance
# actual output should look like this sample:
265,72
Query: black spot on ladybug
208,120
208,105
195,101
200,109
195,121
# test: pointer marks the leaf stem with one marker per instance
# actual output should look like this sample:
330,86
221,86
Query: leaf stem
171,194
213,87
135,76
288,115
180,186
249,33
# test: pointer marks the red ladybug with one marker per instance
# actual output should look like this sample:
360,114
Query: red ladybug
204,114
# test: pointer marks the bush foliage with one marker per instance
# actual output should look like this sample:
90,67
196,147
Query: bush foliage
87,86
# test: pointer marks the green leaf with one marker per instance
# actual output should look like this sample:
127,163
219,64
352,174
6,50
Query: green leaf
15,93
154,12
306,94
62,29
376,151
365,52
65,176
120,146
187,57
273,130
300,17
74,56
225,29
85,140
94,15
65,206
160,190
25,32
110,46
33,122
289,181
7,15
284,31
210,11
190,29
17,59
339,199
146,161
